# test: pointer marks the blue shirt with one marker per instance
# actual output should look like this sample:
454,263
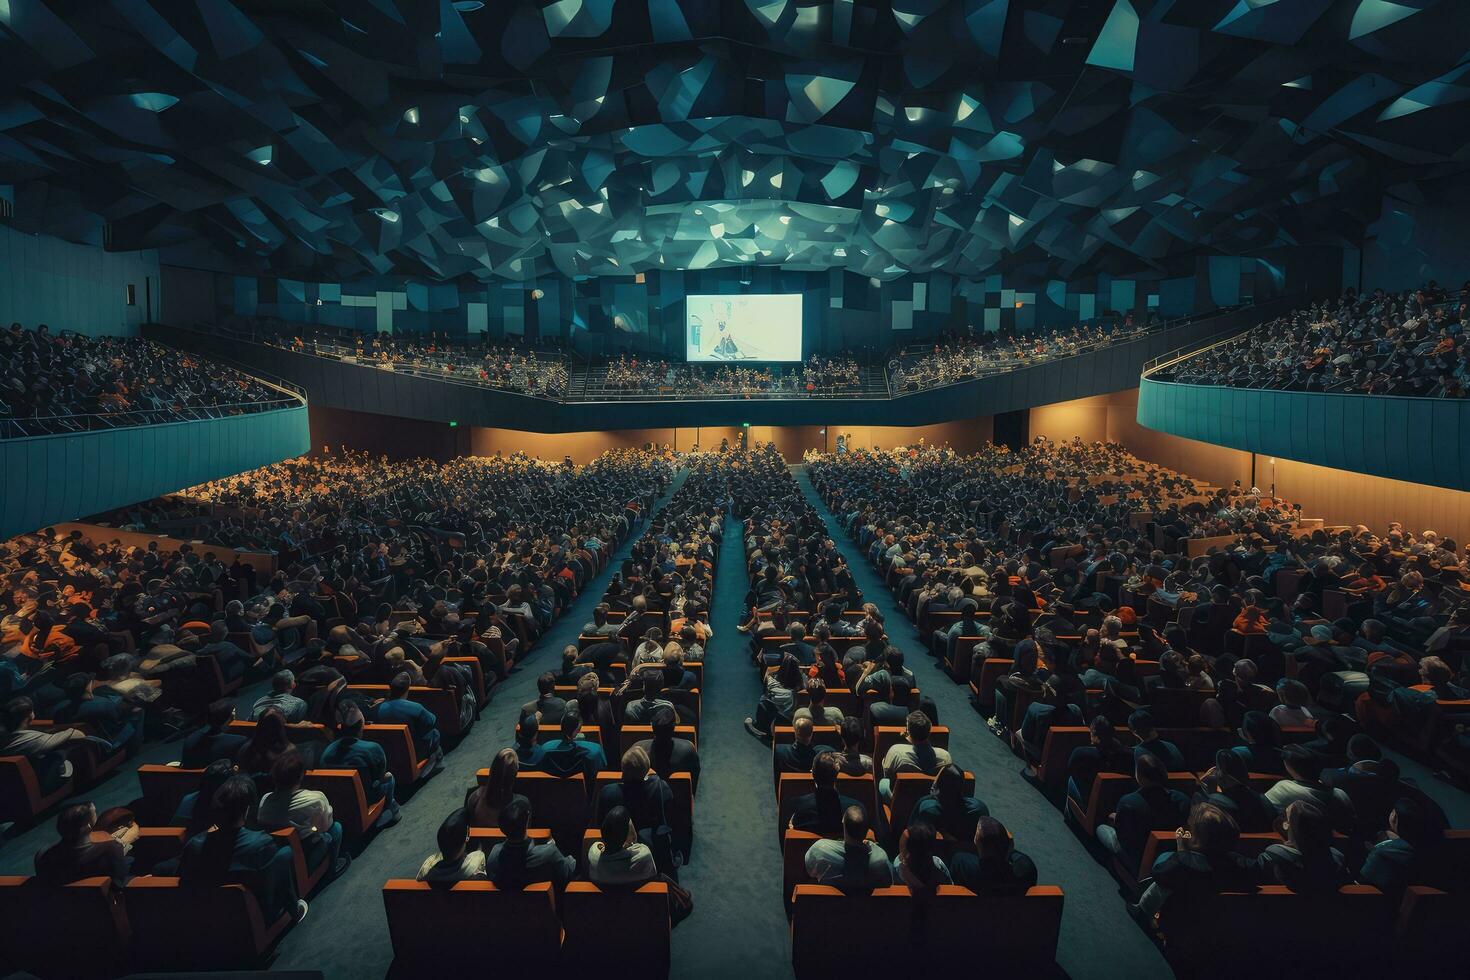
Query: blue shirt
368,758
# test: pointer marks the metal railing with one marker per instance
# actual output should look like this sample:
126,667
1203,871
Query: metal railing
293,396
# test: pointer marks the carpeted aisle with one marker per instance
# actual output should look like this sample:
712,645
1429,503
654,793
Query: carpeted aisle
738,928
1098,938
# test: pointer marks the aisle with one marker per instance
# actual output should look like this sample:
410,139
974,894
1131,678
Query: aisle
1098,939
739,926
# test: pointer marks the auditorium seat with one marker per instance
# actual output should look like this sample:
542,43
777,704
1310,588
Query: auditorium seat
477,671
559,803
438,700
163,789
403,759
470,924
1051,769
1239,934
616,930
80,930
681,811
216,928
886,737
792,785
349,802
1110,787
908,789
1005,936
21,799
630,735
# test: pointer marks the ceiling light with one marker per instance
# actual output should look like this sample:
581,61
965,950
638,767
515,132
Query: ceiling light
411,114
387,215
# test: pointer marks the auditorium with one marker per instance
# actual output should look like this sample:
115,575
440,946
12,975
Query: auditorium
1014,455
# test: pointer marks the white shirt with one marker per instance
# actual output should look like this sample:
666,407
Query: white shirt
305,809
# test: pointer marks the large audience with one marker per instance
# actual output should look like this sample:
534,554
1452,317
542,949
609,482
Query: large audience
818,377
1248,689
1378,343
959,358
49,378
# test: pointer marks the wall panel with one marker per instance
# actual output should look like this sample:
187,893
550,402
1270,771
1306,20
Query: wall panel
73,287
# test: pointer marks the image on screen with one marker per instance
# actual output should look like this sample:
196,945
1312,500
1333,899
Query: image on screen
743,328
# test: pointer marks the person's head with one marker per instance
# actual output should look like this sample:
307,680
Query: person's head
824,770
1101,732
503,771
270,729
283,682
855,826
1302,764
1308,828
816,692
1435,671
1362,748
571,723
454,835
992,840
788,675
1149,771
664,722
399,684
635,766
233,800
917,727
1141,724
75,822
803,729
1410,821
1231,768
546,685
528,730
916,850
288,770
515,817
568,657
618,831
653,684
1292,693
1212,830
949,787
852,734
1259,728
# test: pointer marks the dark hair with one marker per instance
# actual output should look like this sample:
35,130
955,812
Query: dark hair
1308,828
233,799
213,777
918,726
1302,762
1149,770
1141,723
527,730
399,684
991,837
919,844
949,789
1212,831
219,713
288,769
515,817
454,833
546,683
663,722
74,821
1260,728
17,710
852,733
615,824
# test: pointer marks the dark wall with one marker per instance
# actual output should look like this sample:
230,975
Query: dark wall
397,438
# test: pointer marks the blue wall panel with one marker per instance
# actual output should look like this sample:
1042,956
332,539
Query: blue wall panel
1418,440
73,287
65,477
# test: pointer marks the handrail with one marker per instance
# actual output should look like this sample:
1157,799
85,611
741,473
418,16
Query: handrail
1199,347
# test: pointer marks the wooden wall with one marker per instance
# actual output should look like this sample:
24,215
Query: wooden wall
1338,496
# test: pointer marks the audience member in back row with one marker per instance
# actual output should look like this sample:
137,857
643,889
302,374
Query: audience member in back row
81,852
230,852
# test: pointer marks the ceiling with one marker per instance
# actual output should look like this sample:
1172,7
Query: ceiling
520,138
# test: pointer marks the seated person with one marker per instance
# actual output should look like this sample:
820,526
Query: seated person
1152,806
855,864
195,812
528,747
422,723
351,751
572,754
1304,782
918,864
1103,753
203,745
820,811
116,723
46,751
518,861
232,854
1203,863
851,760
283,682
454,861
913,754
571,671
548,706
288,805
819,711
641,711
1228,787
797,755
648,799
951,811
1410,853
1306,862
669,753
483,803
1141,724
82,852
233,662
996,867
619,857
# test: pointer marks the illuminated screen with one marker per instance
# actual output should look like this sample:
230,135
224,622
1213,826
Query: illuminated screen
743,328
